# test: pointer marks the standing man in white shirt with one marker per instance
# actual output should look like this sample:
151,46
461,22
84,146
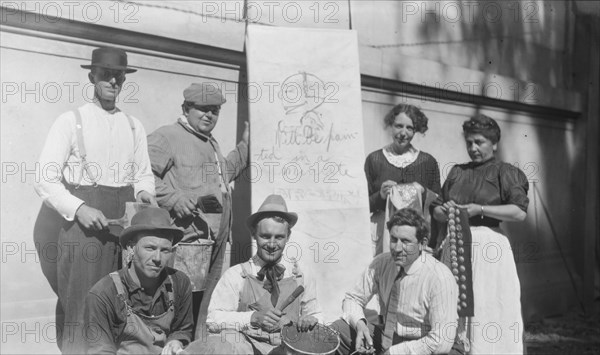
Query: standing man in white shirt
244,314
418,297
96,159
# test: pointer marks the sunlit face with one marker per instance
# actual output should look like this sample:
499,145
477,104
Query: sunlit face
107,83
271,237
150,255
404,246
203,118
480,148
403,131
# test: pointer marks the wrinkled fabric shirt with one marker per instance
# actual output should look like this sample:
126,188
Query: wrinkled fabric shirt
116,154
106,314
184,163
223,307
427,312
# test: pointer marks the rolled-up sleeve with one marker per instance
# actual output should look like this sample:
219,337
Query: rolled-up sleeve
223,308
357,298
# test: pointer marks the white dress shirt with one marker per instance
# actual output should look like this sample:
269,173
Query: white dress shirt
224,302
427,311
115,156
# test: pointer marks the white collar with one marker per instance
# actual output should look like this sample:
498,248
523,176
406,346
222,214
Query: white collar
400,160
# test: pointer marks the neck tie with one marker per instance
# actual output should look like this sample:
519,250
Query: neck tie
391,310
271,274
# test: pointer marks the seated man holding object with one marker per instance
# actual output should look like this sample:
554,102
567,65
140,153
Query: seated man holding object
248,307
418,297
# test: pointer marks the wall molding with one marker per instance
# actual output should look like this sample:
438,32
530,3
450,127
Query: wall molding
24,22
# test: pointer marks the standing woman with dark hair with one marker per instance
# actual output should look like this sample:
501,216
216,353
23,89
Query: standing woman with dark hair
491,191
400,163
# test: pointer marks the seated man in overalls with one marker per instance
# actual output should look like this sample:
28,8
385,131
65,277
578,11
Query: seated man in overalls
247,309
146,307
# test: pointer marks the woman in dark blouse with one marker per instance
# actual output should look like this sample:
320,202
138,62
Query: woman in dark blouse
398,163
491,191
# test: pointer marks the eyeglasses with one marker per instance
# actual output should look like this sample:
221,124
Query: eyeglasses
408,246
212,109
107,74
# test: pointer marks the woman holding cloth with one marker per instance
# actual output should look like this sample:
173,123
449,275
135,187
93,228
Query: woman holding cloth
396,168
491,191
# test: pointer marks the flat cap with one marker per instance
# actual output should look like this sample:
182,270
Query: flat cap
204,94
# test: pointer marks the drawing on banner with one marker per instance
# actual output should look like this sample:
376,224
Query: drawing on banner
301,96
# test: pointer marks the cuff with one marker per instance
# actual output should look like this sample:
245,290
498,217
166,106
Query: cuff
68,206
144,186
245,319
181,336
352,313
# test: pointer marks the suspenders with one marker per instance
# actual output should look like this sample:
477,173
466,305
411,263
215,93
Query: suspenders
121,291
81,145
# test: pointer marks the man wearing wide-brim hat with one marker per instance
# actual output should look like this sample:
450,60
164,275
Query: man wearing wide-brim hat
246,311
95,159
146,307
192,182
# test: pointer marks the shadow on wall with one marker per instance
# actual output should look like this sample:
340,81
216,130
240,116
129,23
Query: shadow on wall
527,41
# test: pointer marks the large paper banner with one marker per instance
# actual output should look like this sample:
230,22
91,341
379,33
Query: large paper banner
307,145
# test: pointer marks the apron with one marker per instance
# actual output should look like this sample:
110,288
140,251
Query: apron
254,293
144,334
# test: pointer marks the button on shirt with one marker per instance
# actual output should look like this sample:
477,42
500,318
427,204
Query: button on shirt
426,315
116,154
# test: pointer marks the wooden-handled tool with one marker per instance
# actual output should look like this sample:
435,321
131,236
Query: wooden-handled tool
285,320
291,298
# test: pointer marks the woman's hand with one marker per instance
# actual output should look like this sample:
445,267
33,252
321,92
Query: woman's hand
473,209
386,187
440,213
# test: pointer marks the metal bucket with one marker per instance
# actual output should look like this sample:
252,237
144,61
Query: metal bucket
321,340
194,260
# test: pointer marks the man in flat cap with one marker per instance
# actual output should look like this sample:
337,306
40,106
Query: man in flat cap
247,310
146,307
95,159
192,181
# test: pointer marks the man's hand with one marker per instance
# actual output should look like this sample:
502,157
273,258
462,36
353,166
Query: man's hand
210,204
172,348
267,319
306,323
91,218
146,197
363,342
246,134
386,188
184,207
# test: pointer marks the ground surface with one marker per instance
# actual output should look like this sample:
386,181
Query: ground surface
572,333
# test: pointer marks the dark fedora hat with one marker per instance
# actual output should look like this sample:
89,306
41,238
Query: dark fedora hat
151,219
109,58
274,205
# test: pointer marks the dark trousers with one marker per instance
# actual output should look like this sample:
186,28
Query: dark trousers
45,238
348,338
216,266
84,258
